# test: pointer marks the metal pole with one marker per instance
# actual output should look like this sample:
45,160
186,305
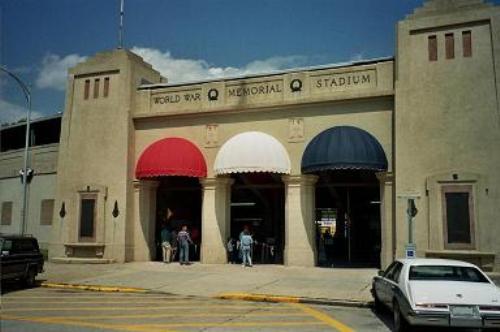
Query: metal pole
348,226
120,30
410,223
27,94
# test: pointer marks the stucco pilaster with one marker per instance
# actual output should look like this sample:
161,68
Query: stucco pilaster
144,219
387,231
216,210
300,236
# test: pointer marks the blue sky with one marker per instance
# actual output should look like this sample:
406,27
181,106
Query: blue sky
186,39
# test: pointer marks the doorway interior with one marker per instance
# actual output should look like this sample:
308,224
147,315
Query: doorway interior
348,230
178,203
258,202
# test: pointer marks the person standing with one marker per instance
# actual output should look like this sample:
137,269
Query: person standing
231,250
165,244
184,241
173,243
246,248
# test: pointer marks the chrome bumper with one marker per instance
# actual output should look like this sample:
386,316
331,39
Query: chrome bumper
427,318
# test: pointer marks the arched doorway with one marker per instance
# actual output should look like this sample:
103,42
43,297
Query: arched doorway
175,166
347,210
255,161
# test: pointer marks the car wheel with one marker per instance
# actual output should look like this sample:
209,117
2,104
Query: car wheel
29,280
400,323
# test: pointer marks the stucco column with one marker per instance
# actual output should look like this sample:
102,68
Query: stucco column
215,220
144,219
386,218
300,232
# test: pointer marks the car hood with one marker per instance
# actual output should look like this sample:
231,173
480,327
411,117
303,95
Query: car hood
454,292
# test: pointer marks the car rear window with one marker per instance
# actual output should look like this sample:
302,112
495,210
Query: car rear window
446,273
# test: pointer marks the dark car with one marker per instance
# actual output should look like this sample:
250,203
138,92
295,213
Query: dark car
20,258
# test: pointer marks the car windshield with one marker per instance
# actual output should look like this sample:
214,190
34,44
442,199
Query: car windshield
446,273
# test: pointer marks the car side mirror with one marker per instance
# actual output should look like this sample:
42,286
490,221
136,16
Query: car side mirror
5,253
381,273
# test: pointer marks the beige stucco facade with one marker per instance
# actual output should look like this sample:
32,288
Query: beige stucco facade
447,124
42,187
438,123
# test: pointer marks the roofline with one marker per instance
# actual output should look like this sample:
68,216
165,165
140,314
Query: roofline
435,261
271,73
45,118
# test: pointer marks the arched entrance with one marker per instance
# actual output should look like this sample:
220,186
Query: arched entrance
347,205
255,162
172,166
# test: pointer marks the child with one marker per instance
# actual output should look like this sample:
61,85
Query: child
231,250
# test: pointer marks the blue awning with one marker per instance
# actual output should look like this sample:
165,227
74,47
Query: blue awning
344,147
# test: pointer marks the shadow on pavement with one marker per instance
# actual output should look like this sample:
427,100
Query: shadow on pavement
9,286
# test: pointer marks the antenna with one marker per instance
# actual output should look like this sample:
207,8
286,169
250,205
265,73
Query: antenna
120,31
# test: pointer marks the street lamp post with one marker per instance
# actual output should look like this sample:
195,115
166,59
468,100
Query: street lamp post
27,95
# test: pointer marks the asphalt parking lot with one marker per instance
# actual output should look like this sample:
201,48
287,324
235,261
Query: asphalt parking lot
50,310
43,309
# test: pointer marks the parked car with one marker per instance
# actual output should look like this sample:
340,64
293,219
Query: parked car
437,292
20,258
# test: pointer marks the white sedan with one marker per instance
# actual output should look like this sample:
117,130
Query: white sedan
437,292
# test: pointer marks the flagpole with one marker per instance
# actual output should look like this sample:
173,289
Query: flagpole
120,31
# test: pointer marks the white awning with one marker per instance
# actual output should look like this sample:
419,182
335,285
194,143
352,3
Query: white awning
252,151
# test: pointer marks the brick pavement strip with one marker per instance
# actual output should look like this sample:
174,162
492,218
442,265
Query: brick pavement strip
139,312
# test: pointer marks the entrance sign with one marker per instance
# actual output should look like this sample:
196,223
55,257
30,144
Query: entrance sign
315,85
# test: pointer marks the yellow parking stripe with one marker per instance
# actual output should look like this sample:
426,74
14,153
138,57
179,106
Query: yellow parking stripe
132,328
170,307
324,318
97,296
234,324
100,302
226,314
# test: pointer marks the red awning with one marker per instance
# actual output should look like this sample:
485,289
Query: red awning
171,157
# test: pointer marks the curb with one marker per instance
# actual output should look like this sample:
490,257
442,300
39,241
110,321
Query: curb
95,288
293,299
223,296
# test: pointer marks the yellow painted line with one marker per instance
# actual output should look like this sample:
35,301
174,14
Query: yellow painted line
128,308
97,288
120,327
328,320
235,324
96,296
226,314
258,297
62,302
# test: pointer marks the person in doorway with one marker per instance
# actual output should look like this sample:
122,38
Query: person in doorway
329,249
184,241
165,243
174,244
246,248
232,251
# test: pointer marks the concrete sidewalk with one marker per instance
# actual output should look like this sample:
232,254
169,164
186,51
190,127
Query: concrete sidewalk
337,284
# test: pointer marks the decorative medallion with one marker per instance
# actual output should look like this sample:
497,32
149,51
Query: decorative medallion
296,130
211,137
213,94
296,85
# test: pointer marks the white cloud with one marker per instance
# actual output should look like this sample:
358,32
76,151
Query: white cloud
186,70
10,112
54,71
357,57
